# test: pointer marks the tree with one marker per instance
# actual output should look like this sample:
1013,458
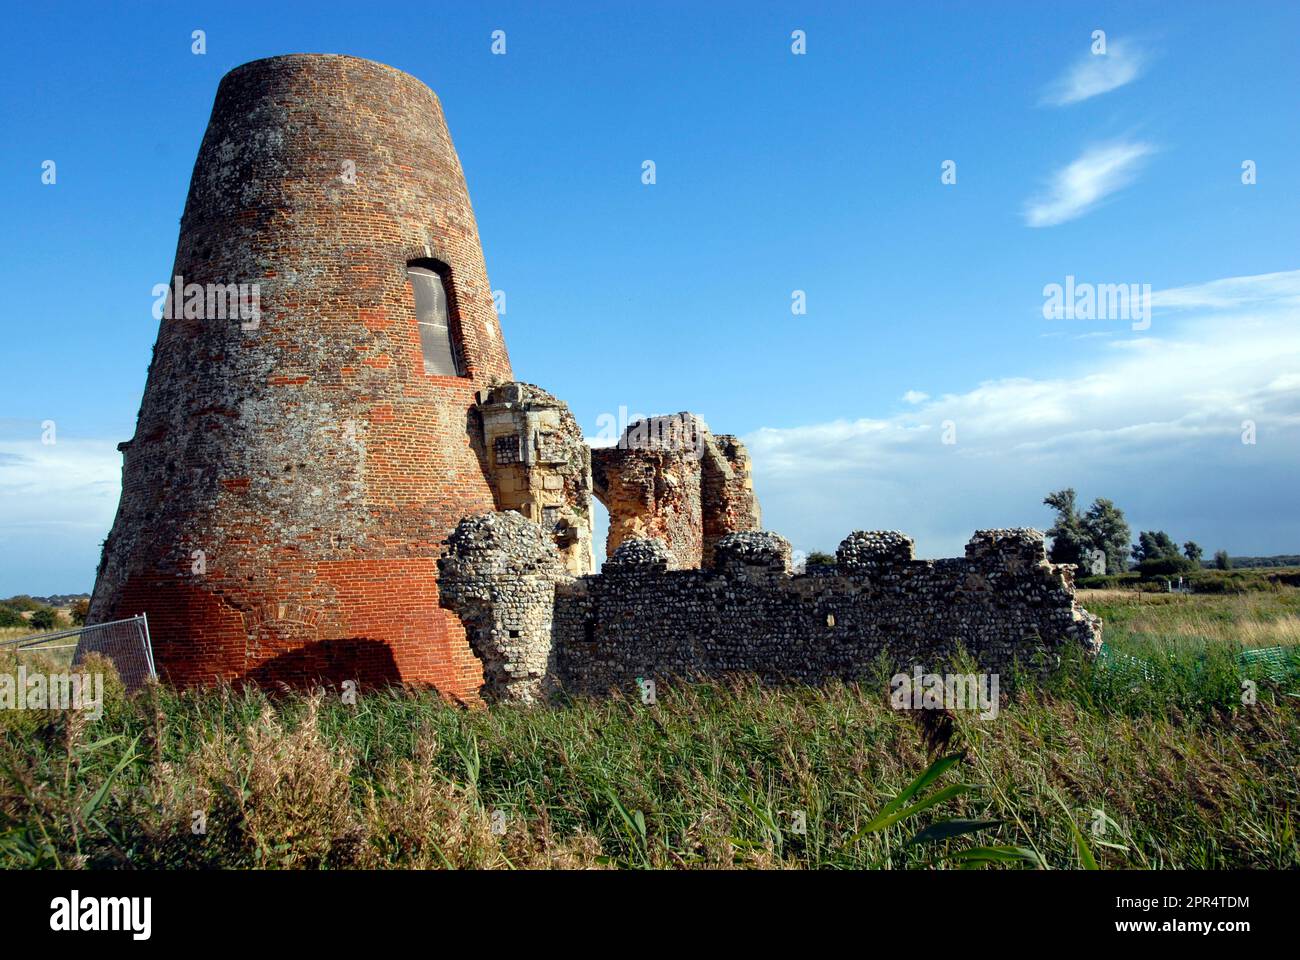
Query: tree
79,610
1157,555
1174,565
1222,561
44,619
1075,538
819,558
1168,545
1069,540
1155,545
1192,552
1106,530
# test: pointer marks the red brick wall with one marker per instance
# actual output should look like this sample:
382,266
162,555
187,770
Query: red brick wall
310,459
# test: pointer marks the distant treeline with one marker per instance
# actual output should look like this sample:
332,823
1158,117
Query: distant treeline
25,601
43,613
1283,560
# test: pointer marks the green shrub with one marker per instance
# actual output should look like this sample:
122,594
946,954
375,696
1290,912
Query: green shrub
44,619
1166,566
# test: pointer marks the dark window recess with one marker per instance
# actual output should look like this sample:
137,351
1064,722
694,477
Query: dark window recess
506,449
434,318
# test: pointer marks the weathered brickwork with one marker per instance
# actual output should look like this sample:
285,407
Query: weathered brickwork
1003,603
540,466
668,478
292,499
288,487
727,494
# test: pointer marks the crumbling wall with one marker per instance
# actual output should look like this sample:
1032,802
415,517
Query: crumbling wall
668,478
539,465
499,574
728,501
1003,603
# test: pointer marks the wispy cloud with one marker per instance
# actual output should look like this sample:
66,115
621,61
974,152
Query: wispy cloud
1095,74
56,505
1080,186
1232,292
1155,424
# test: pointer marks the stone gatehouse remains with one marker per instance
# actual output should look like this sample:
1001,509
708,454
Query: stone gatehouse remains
356,487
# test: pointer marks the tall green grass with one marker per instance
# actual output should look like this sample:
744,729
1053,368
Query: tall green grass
1167,771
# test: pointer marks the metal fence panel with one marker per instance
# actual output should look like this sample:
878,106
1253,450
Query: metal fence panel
125,642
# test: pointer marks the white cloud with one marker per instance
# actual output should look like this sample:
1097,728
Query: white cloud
1095,74
1080,186
1279,288
56,504
1154,424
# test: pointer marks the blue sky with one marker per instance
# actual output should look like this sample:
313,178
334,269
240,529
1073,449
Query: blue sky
775,172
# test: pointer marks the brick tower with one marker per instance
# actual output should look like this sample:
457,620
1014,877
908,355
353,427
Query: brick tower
295,467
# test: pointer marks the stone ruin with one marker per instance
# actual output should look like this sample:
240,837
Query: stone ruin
539,630
354,487
669,478
540,466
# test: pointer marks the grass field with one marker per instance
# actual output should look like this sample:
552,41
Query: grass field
1253,619
17,633
1165,768
58,651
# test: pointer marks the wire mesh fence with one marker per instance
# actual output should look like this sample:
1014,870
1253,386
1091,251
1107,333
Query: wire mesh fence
1279,664
125,642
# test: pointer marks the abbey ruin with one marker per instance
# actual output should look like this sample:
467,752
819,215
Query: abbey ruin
353,486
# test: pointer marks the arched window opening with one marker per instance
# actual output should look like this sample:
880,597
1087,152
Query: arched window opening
430,283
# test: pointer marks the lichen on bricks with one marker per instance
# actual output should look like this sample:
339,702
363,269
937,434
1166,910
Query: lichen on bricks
325,495
309,456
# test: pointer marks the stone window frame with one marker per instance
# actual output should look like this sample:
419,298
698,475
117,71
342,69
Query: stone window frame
515,457
454,330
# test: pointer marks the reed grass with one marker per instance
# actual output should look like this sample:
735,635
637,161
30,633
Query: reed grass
1170,770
